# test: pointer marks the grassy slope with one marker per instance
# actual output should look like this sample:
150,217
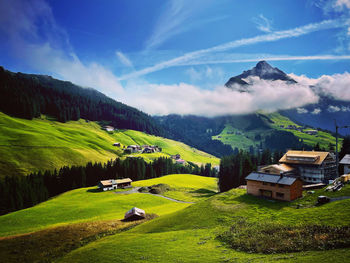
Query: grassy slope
184,187
56,144
247,138
189,234
82,205
323,138
85,204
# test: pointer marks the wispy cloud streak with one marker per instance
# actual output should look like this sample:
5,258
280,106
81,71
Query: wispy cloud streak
124,59
268,58
290,33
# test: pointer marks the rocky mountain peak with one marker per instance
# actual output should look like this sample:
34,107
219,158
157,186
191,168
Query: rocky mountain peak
263,70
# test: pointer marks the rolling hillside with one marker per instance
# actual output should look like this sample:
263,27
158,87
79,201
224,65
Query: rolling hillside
184,232
87,204
244,132
191,234
43,143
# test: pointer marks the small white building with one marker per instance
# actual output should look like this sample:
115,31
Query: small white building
346,163
108,128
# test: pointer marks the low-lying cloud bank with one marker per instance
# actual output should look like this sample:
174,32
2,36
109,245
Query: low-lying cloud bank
188,99
336,86
261,95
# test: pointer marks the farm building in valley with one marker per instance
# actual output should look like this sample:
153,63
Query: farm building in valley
274,186
114,184
310,166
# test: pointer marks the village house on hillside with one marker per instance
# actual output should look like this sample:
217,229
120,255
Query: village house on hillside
108,128
310,166
346,163
274,186
111,184
277,169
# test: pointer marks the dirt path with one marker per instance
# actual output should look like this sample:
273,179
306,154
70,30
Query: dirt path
136,190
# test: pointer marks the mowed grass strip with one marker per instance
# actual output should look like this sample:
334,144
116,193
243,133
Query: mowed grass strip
82,205
50,244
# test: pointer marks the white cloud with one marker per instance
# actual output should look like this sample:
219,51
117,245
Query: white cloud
204,74
123,59
336,86
177,17
188,99
47,48
302,110
342,4
332,108
278,35
345,109
263,24
316,111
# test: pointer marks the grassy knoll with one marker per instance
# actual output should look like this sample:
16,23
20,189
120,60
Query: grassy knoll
82,205
55,144
191,234
184,187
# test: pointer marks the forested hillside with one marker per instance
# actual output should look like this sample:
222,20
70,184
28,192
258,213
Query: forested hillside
28,96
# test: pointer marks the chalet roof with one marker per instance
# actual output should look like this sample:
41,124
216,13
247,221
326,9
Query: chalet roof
123,181
280,167
304,157
346,159
271,178
108,182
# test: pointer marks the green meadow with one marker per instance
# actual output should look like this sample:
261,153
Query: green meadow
243,139
88,204
184,187
182,232
191,234
45,144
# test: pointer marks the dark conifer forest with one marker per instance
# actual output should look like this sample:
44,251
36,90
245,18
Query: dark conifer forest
28,96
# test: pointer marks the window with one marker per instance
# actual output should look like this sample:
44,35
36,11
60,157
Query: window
281,185
280,195
272,184
264,183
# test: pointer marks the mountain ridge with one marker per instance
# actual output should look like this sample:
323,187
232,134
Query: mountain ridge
263,70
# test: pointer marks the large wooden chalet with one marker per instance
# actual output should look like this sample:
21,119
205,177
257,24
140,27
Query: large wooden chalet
310,166
274,186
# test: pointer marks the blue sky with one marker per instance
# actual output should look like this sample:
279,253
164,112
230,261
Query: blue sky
126,48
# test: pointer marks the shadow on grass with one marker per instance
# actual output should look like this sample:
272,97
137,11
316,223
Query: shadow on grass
94,190
257,201
203,193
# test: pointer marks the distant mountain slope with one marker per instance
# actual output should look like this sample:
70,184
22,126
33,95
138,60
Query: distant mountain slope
262,70
196,131
323,114
28,96
39,144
